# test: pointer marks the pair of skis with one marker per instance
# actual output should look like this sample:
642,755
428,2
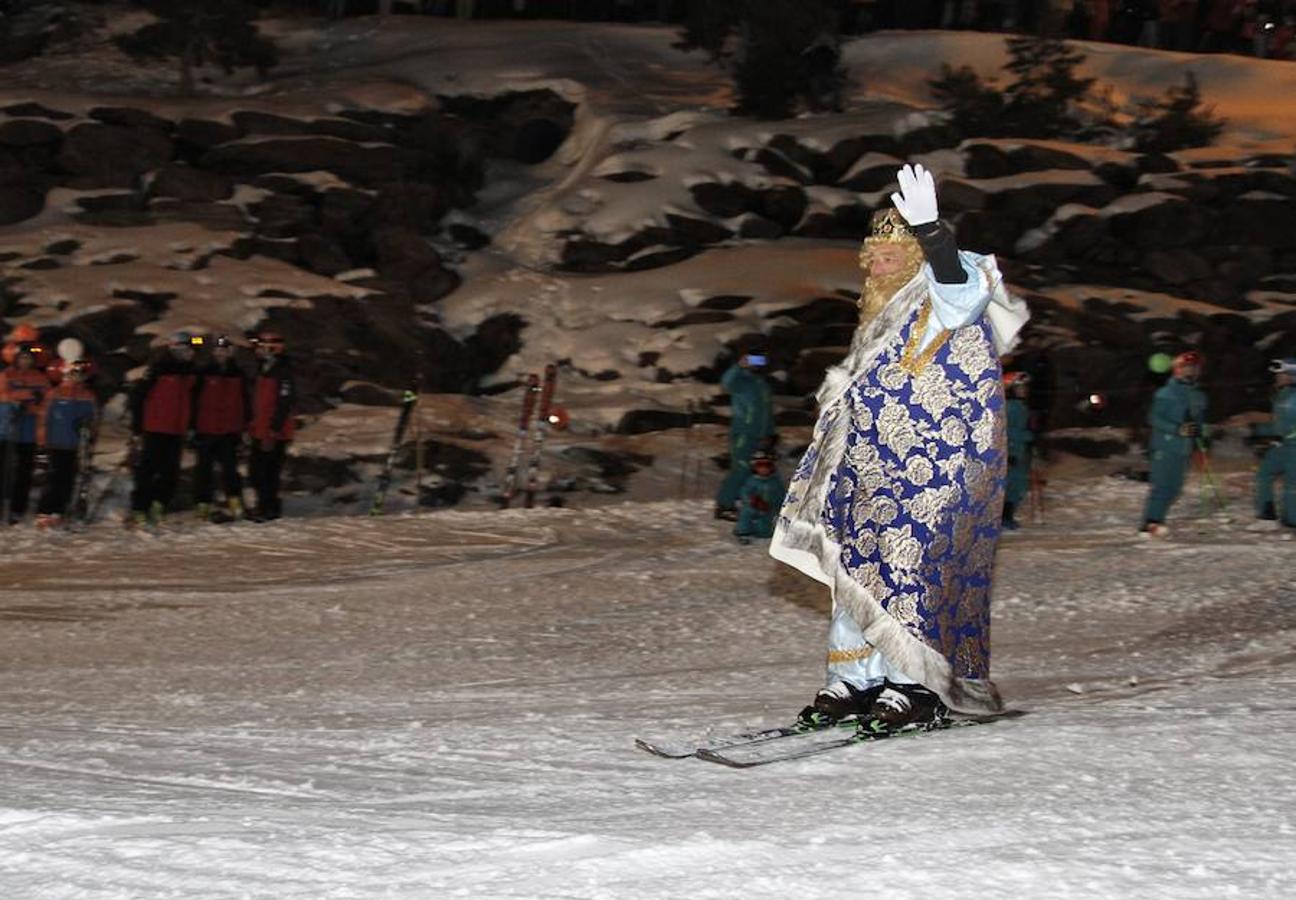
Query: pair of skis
528,443
746,749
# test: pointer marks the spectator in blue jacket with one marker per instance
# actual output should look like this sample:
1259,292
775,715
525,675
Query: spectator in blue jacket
1178,420
760,499
67,412
751,426
1279,437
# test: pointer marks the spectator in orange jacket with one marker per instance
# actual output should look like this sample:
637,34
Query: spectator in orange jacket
22,388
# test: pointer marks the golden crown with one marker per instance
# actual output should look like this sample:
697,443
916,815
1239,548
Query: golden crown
888,225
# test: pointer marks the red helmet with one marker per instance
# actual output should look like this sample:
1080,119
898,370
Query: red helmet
24,334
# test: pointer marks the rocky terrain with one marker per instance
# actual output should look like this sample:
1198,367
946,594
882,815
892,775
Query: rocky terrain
407,215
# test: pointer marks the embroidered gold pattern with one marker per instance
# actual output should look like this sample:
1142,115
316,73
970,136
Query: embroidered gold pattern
837,657
911,360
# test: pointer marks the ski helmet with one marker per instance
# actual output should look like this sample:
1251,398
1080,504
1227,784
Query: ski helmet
1285,366
182,339
1189,359
35,351
271,341
1160,363
222,340
24,334
70,349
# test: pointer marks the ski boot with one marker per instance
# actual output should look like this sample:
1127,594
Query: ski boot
137,519
903,706
1009,522
202,512
156,513
48,521
235,506
1155,529
838,701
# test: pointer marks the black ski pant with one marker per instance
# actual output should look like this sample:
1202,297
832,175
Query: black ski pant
157,471
60,480
264,471
214,450
16,464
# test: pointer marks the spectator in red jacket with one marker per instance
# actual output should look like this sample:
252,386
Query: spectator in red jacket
272,425
222,410
161,416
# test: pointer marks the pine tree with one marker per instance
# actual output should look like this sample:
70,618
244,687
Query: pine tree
1038,102
1177,121
198,32
974,105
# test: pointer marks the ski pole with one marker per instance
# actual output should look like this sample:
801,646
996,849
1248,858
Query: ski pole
1036,494
1209,476
418,442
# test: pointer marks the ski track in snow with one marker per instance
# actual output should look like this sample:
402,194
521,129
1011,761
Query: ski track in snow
445,706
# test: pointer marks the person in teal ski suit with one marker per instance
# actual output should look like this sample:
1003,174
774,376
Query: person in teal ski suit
1178,420
760,499
1279,460
750,429
1020,439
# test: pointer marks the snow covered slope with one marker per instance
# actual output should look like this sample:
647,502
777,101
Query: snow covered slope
446,705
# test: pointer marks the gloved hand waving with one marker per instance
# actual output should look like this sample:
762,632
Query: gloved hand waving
916,199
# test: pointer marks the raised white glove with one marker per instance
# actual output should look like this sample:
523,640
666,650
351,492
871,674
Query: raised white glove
916,199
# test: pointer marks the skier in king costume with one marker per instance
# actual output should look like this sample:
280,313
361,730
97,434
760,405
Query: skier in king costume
896,504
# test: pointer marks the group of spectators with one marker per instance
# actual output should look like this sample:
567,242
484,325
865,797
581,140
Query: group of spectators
194,394
1263,28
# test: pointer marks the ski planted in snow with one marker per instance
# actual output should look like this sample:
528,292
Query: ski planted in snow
408,401
521,441
86,438
542,431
